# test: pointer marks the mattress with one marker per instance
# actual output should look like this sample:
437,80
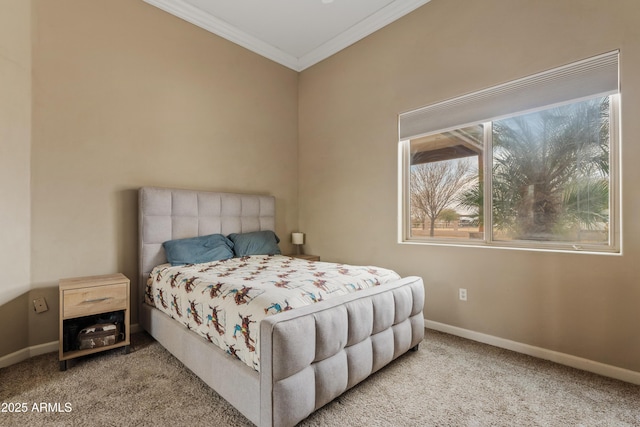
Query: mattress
224,301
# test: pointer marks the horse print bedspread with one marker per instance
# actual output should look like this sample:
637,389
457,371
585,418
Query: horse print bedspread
224,301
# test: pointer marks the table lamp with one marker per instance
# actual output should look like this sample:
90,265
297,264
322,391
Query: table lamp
298,240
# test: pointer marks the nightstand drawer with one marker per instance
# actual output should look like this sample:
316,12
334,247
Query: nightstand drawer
94,300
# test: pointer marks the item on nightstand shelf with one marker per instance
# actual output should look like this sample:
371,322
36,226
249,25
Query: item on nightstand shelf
98,335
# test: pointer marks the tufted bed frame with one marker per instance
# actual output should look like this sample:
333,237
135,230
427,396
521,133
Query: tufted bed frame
309,355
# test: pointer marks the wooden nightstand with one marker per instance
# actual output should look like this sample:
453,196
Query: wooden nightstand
305,256
85,300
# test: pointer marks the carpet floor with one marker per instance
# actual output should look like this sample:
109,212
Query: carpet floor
450,381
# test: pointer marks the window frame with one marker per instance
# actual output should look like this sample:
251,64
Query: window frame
614,245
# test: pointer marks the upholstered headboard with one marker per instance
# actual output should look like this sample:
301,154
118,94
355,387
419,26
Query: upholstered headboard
167,214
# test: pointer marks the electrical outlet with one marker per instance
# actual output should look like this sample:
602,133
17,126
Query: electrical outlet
462,293
40,305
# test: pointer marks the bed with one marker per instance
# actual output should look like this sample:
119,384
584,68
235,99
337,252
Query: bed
309,355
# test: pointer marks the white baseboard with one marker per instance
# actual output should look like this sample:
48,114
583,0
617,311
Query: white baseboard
26,353
539,352
36,350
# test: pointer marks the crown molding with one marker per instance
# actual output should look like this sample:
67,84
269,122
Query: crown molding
221,28
370,25
204,20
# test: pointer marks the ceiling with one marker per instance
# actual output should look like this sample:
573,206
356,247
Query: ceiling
294,33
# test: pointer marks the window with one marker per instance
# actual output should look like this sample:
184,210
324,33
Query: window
542,176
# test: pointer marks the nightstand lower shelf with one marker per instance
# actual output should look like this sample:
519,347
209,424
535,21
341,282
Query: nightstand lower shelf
66,356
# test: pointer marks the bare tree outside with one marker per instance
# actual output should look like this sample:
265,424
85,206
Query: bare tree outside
436,186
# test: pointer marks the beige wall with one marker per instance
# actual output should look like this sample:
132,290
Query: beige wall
126,95
15,138
582,305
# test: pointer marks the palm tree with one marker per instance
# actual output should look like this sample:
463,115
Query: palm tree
550,172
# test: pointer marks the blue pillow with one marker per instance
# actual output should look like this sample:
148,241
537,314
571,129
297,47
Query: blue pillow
255,243
196,250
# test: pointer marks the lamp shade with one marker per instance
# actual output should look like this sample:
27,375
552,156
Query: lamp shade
297,238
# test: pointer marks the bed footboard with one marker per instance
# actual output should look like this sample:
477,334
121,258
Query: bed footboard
311,355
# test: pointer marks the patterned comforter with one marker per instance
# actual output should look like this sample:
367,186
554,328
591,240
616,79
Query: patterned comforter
224,301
